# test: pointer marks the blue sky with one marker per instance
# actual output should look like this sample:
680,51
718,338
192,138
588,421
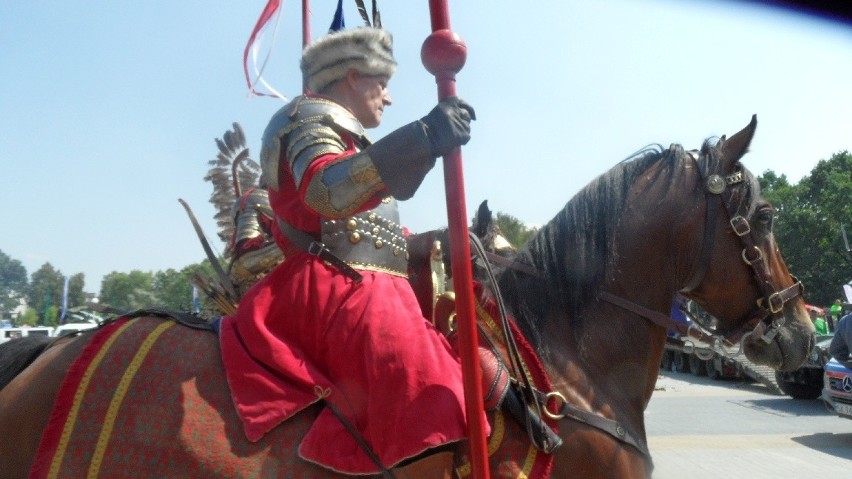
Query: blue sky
110,109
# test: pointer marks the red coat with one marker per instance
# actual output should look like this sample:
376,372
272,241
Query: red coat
307,332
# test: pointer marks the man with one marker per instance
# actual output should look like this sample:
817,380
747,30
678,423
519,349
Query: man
819,323
841,343
337,321
835,312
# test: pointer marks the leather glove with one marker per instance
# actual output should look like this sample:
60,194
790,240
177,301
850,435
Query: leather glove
448,125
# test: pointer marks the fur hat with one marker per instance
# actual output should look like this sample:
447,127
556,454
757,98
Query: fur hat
366,49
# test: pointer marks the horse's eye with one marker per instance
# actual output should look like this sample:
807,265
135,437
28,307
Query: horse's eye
765,216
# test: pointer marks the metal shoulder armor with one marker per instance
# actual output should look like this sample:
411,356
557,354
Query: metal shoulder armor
307,128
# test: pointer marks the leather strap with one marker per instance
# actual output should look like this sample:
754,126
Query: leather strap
387,474
609,426
312,246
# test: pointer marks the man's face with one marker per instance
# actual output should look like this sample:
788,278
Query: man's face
370,98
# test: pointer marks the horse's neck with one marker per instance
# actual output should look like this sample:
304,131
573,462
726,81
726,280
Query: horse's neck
606,360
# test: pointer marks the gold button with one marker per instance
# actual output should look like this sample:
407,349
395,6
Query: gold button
396,251
355,237
372,217
376,230
379,243
351,224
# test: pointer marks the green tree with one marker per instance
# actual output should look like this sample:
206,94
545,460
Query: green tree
29,318
76,296
51,318
128,291
807,225
173,290
13,282
45,290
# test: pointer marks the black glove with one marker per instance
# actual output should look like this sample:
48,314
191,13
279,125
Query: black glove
405,156
448,125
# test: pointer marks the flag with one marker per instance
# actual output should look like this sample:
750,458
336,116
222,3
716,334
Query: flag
196,302
337,23
64,302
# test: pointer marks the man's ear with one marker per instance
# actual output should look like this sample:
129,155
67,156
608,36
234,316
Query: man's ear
352,77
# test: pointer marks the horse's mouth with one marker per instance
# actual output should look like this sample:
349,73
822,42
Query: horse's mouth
787,351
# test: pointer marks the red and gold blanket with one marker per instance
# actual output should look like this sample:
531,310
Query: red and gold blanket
148,398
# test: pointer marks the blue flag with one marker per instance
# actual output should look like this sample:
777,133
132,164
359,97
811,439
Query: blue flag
64,302
196,302
337,23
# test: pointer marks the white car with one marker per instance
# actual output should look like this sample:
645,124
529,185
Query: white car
71,328
7,334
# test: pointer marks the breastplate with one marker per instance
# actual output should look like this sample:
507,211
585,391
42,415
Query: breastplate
371,240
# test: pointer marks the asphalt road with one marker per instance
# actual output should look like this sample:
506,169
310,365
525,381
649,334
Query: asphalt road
700,428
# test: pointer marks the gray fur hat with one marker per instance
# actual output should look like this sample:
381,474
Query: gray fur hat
366,49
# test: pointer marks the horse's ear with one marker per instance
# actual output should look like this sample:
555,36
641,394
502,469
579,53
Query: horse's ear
735,147
481,220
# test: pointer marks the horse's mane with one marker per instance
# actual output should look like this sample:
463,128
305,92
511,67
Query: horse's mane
573,252
17,354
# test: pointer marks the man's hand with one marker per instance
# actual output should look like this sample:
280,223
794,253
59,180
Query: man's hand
448,125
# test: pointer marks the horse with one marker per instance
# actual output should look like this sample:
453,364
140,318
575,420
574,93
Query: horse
588,298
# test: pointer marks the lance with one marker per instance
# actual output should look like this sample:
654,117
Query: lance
306,31
444,54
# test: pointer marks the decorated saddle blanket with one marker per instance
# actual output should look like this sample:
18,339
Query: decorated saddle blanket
148,398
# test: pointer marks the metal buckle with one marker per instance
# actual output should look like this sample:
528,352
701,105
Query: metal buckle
774,307
740,225
755,260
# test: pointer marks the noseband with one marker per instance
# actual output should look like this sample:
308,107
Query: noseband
733,190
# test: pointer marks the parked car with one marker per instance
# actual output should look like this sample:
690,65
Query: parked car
837,388
8,334
807,381
72,328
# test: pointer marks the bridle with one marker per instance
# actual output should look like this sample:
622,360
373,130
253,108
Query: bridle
733,191
767,317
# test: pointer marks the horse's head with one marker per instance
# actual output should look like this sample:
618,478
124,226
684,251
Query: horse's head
488,231
739,275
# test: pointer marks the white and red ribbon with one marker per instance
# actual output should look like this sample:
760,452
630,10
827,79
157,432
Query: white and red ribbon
272,9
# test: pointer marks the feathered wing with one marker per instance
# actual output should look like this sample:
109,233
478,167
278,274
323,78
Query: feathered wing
231,172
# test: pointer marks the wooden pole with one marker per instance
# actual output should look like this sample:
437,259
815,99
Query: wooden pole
306,31
444,54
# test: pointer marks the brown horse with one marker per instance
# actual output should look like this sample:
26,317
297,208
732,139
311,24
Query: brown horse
595,281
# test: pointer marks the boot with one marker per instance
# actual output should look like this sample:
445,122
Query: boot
433,466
